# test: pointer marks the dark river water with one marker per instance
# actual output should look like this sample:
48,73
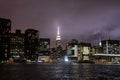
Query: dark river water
59,71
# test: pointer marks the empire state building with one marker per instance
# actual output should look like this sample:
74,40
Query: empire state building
58,38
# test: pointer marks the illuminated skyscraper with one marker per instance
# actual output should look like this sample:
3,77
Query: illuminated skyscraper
58,38
58,44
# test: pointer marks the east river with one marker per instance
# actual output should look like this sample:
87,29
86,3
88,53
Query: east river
59,71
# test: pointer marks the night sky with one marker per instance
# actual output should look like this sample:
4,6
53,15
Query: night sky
85,20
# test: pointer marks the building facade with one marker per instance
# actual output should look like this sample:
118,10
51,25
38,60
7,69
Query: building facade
58,38
111,46
58,53
72,50
84,51
110,52
44,49
31,44
44,46
5,30
17,46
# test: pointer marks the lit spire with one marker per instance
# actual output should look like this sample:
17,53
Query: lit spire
58,33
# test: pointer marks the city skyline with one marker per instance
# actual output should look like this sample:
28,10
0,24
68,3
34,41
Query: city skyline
81,20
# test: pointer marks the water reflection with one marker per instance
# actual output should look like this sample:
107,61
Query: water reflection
59,71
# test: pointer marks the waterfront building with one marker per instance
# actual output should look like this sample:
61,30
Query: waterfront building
5,30
72,50
111,46
44,49
110,52
17,46
96,49
84,51
31,44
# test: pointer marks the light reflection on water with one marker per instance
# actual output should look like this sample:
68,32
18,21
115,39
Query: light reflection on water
59,71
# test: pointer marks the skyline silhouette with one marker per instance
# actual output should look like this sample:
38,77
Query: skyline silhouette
83,20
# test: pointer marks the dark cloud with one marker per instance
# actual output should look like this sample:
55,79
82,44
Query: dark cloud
110,27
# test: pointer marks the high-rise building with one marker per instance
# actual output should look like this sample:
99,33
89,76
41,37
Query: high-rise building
5,29
58,38
31,44
44,49
17,46
58,45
